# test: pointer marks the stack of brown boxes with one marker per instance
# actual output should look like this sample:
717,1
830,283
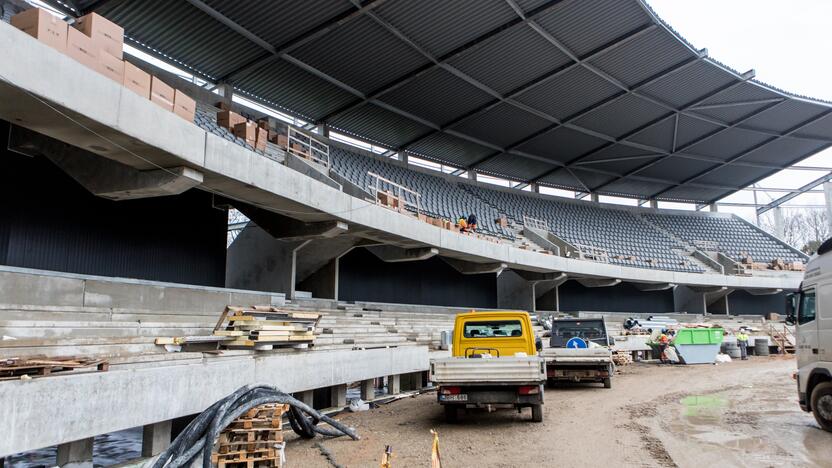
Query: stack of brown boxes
255,134
98,43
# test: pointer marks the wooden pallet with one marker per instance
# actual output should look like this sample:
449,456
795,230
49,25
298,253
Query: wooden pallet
253,440
34,367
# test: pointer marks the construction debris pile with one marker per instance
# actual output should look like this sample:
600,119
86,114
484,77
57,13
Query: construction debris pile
263,327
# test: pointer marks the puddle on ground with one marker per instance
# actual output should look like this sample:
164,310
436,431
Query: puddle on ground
749,431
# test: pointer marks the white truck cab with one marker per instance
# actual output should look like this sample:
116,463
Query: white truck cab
811,310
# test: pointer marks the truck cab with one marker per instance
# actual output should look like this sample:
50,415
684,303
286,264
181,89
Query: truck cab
493,364
579,351
811,311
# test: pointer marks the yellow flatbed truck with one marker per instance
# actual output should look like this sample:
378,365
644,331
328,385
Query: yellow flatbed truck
493,364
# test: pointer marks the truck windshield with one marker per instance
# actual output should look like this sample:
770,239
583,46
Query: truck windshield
806,310
492,329
589,330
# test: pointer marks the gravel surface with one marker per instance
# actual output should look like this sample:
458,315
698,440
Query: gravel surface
735,414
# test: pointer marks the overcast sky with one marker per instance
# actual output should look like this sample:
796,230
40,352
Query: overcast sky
787,42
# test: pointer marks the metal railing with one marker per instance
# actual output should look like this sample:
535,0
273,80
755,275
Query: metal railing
706,245
408,199
306,146
535,223
589,252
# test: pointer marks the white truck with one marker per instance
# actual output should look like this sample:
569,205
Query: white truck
811,310
579,351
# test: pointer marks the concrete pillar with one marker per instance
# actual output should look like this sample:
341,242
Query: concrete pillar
779,223
322,130
368,389
514,292
827,194
77,454
155,438
411,381
714,207
394,384
259,262
535,187
594,197
338,395
307,397
654,203
403,156
472,174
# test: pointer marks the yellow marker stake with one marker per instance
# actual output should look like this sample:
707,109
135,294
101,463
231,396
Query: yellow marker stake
435,459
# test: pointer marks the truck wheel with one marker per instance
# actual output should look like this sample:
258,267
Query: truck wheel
822,405
537,413
608,382
452,414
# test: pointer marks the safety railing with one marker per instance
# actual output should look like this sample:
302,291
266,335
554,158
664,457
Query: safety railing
307,146
596,254
393,194
535,223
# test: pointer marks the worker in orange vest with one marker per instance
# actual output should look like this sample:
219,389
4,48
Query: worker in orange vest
664,341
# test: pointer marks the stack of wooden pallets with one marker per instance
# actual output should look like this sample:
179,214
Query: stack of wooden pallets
263,327
17,368
255,439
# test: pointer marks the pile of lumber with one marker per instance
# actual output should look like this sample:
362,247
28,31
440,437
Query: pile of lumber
32,367
264,327
255,439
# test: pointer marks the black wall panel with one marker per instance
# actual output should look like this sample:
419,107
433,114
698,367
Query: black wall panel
743,303
363,277
621,298
48,221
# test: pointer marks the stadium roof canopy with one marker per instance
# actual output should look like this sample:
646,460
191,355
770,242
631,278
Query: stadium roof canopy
593,96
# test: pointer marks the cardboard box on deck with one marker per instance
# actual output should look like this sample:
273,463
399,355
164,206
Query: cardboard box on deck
229,119
81,48
222,105
246,131
136,80
280,140
43,26
111,67
106,35
262,138
162,93
184,106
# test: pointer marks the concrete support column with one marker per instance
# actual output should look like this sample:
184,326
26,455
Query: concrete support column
338,395
411,381
779,223
594,197
77,454
403,156
368,389
827,195
322,130
514,292
535,187
155,438
394,384
472,174
307,397
654,203
714,207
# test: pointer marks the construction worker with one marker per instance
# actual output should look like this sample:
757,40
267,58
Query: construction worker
472,222
664,341
463,224
742,342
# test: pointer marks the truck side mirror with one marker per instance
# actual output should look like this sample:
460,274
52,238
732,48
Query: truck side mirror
538,344
791,300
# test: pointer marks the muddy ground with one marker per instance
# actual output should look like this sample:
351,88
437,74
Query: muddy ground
736,414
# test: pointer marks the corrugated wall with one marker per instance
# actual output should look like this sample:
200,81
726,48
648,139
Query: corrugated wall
50,222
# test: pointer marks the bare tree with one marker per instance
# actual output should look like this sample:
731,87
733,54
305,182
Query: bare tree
817,226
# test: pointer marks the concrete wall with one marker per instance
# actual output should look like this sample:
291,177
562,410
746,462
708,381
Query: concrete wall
743,303
621,298
363,277
50,222
101,402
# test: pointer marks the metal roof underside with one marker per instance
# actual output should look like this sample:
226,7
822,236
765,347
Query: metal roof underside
597,96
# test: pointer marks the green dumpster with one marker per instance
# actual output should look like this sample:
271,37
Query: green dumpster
698,345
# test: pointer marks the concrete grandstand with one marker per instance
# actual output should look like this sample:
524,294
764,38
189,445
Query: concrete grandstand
115,225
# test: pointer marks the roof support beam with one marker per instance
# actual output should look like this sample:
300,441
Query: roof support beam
274,52
745,153
790,196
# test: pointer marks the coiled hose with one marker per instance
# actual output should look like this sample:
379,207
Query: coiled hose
201,433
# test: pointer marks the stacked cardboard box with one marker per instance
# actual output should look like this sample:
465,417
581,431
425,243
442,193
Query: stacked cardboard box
255,134
98,43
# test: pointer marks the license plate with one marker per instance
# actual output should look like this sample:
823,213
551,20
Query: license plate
459,397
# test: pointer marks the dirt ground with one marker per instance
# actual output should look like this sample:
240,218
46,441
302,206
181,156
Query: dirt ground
735,414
